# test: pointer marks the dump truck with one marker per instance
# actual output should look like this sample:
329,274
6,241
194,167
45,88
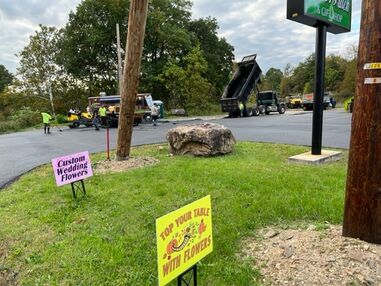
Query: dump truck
236,95
308,101
112,103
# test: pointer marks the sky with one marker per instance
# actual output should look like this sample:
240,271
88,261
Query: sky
250,26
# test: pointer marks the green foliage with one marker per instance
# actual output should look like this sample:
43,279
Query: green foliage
217,52
39,72
5,78
21,119
334,72
349,81
302,74
285,84
188,88
60,119
273,79
87,44
108,237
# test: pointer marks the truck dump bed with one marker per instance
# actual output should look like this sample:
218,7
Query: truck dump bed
244,80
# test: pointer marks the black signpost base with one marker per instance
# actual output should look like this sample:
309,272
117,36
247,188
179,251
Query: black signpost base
182,279
78,186
317,120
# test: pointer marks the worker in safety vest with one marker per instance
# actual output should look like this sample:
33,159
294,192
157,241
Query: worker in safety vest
102,115
241,108
46,120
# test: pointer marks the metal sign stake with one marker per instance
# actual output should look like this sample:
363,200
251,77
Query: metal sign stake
78,186
181,280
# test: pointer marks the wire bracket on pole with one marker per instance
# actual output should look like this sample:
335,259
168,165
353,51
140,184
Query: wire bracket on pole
187,277
78,186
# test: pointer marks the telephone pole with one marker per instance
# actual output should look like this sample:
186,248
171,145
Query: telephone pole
120,78
135,38
362,212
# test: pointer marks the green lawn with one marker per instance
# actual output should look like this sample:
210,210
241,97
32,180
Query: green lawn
108,238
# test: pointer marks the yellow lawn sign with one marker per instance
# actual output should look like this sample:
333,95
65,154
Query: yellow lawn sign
183,237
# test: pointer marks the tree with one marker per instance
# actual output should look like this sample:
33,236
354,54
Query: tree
38,69
217,52
187,86
5,78
285,86
167,39
302,74
88,49
273,78
334,72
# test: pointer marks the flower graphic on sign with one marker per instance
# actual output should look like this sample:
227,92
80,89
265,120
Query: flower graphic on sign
181,239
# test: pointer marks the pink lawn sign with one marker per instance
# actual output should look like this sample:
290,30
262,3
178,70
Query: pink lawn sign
72,168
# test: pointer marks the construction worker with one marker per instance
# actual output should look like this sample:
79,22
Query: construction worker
96,120
102,114
46,120
241,108
155,114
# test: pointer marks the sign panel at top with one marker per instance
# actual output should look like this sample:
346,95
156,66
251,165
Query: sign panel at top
336,14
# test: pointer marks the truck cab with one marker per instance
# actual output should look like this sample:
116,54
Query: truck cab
270,102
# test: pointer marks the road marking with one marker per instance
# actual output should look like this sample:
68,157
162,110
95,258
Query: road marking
372,80
372,66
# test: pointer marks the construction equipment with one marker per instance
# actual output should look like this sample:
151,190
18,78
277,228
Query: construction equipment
270,101
75,119
308,101
142,109
294,102
246,79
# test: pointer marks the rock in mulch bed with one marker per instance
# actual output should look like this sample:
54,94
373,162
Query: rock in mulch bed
112,166
311,257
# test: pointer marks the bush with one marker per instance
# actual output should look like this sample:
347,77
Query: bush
22,119
61,119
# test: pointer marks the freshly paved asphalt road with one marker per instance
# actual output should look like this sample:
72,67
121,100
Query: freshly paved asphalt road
23,151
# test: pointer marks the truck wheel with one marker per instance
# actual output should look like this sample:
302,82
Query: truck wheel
282,110
74,125
305,108
248,112
256,112
262,109
234,114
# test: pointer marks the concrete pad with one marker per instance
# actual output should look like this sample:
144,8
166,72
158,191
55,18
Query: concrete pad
308,158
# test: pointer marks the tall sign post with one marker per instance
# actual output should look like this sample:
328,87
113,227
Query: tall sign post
362,211
332,16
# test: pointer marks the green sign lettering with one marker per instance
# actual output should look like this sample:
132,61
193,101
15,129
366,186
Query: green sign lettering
337,12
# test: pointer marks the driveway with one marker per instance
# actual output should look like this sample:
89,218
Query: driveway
23,151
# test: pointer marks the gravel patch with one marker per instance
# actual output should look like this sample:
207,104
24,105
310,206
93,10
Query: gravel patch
112,166
312,257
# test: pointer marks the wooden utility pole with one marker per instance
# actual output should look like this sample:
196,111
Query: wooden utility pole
120,76
362,214
131,73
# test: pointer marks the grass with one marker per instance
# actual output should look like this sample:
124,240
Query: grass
108,238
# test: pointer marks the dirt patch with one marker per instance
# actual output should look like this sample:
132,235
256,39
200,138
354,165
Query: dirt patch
8,277
312,257
112,166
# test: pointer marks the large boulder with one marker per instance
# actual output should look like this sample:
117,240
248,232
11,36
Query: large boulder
205,139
